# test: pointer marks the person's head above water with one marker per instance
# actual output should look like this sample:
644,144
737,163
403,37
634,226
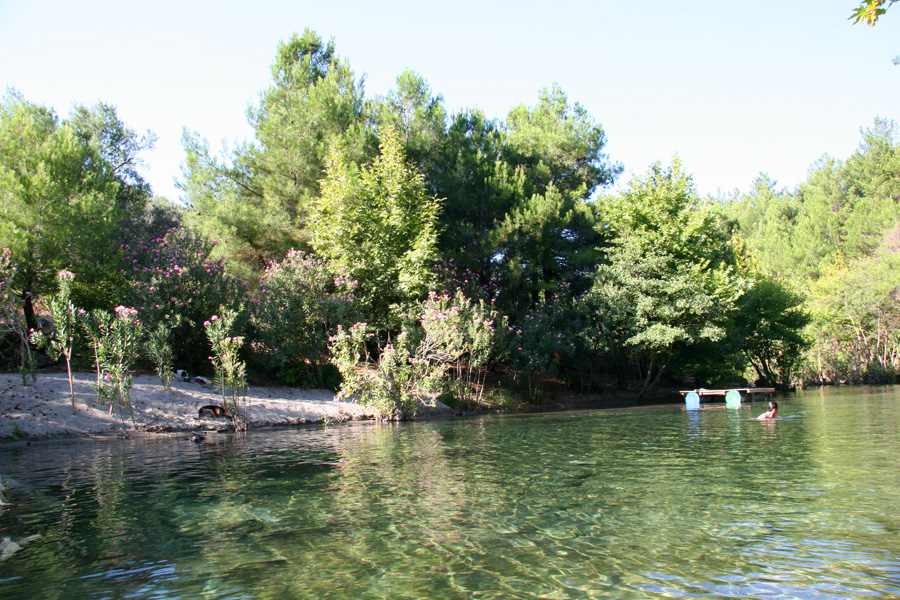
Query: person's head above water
770,414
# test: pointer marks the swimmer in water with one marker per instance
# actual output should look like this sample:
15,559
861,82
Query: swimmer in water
769,414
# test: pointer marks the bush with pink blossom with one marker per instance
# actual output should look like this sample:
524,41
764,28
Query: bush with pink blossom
299,304
175,281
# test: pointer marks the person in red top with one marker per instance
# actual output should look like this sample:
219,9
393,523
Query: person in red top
769,414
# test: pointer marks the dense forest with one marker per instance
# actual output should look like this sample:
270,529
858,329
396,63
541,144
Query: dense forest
444,250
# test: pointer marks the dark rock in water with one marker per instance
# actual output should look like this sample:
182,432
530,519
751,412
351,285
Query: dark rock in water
197,438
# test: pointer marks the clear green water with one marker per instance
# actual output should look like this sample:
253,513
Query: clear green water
632,503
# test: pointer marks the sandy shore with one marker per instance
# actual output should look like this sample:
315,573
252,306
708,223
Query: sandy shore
44,409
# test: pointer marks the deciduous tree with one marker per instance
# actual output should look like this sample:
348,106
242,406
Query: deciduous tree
669,280
379,227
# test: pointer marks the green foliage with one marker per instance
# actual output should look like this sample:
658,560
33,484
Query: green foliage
315,97
544,242
669,281
839,213
61,340
254,228
96,324
856,311
230,370
558,143
297,307
11,318
118,148
869,11
175,282
461,334
542,340
157,348
118,348
257,199
445,347
58,205
544,335
418,117
379,228
479,190
394,383
830,240
516,209
765,219
768,329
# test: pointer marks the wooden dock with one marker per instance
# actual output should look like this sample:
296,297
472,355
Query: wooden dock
733,396
704,392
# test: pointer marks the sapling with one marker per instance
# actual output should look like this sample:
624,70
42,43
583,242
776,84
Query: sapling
62,339
160,352
96,324
229,368
119,348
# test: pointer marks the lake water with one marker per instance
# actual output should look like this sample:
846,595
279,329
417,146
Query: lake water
651,502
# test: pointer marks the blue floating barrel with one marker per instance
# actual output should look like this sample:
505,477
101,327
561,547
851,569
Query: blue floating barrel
733,399
692,401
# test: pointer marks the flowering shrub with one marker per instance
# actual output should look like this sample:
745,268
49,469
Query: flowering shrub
11,318
458,279
117,349
297,307
229,368
543,339
393,384
62,339
175,282
95,324
460,334
447,342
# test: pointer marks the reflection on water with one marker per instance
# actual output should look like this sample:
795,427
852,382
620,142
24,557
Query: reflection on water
637,503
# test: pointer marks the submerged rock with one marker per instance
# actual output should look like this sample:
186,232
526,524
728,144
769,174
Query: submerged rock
8,547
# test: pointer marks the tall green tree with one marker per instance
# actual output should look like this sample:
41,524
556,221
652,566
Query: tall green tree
549,236
58,199
120,148
856,311
765,218
517,210
846,206
418,116
256,199
558,143
545,241
669,280
379,227
479,190
768,328
314,97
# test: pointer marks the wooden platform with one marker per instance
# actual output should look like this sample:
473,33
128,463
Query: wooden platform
704,392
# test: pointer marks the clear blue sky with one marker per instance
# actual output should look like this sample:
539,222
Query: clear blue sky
733,88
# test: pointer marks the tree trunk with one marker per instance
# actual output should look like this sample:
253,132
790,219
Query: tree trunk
28,311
